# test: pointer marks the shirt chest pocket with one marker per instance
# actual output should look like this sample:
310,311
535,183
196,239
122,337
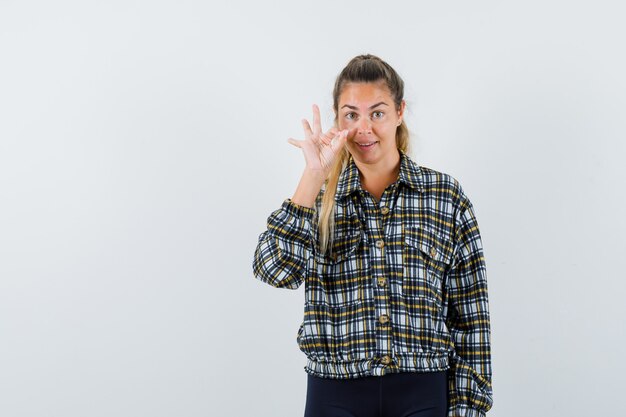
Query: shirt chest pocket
341,274
427,255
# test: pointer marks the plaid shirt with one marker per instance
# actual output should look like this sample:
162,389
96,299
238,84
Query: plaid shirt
404,288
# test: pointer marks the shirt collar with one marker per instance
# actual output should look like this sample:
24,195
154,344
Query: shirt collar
350,182
410,173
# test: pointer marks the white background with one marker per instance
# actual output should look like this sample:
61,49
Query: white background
144,144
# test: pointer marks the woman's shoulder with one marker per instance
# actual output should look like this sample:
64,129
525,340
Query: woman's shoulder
440,184
436,178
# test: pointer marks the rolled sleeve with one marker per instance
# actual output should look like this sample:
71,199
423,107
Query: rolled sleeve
283,250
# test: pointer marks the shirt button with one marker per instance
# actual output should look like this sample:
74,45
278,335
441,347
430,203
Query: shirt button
382,282
384,209
385,360
380,244
383,319
433,252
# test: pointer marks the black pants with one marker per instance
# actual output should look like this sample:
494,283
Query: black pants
405,394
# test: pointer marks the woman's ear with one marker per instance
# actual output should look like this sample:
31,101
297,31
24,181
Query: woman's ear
401,109
401,112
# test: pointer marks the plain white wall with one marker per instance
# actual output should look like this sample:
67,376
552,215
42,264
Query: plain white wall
143,145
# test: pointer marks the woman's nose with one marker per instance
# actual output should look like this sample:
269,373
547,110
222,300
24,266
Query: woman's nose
365,128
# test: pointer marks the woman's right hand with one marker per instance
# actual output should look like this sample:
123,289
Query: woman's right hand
320,149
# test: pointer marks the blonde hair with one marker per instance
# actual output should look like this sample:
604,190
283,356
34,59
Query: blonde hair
360,69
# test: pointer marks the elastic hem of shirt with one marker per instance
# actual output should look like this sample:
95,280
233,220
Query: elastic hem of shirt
462,410
298,210
401,362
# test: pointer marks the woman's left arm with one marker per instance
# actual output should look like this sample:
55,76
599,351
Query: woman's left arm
468,320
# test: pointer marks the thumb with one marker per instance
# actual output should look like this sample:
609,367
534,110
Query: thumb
351,132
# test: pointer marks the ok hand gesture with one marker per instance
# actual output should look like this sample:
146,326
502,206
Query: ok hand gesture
320,149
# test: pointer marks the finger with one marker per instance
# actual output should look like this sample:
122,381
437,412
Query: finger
310,133
317,124
307,128
339,141
294,142
329,135
332,132
326,138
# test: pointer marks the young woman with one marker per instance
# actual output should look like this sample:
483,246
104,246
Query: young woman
396,314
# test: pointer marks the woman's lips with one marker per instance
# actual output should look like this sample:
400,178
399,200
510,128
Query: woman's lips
366,145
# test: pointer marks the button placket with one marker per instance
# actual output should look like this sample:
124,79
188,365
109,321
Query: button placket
380,233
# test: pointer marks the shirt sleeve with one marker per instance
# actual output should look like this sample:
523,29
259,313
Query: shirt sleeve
284,248
468,320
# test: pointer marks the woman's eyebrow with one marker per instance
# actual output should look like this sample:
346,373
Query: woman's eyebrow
371,107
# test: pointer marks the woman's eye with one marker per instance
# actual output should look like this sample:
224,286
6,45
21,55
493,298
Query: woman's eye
377,114
350,116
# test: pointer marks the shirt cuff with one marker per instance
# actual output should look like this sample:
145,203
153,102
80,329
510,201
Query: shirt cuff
297,210
465,411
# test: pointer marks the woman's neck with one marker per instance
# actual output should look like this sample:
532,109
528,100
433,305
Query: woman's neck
375,178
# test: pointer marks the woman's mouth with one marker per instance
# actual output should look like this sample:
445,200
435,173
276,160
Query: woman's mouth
366,145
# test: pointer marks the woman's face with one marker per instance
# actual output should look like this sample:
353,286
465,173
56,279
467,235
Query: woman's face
370,110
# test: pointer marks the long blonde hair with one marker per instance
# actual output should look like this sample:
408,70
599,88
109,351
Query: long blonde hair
362,68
